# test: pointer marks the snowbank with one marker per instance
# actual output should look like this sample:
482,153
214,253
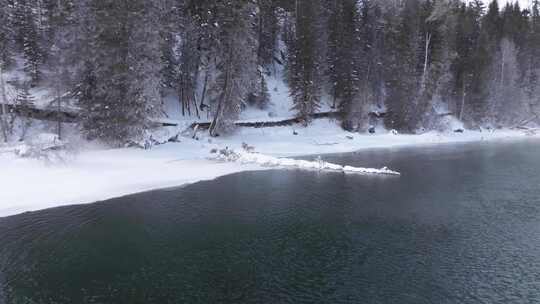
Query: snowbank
99,174
267,161
325,136
30,184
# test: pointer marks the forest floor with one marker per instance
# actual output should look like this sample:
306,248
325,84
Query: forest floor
96,173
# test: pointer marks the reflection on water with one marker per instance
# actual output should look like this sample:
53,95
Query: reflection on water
460,226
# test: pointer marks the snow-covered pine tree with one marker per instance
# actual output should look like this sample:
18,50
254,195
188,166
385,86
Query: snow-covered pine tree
487,49
335,27
234,22
405,55
509,105
267,27
189,63
28,38
304,60
462,66
507,102
170,12
532,76
402,75
144,62
65,42
25,101
259,95
76,52
344,55
6,34
267,30
372,53
470,64
125,72
55,16
437,47
199,19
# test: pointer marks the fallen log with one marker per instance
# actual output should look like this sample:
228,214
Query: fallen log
522,124
282,123
446,114
65,116
43,114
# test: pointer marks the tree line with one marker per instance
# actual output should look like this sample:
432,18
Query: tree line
118,59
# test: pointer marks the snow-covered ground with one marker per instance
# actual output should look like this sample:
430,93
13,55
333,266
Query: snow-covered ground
250,157
98,174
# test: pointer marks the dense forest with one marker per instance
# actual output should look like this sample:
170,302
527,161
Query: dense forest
117,59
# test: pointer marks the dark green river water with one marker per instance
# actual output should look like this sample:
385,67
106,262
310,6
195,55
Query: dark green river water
461,225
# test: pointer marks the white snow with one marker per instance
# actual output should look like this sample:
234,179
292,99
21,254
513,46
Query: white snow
29,184
267,161
98,174
324,136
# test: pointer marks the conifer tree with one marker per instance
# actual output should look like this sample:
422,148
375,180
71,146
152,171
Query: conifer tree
467,31
188,66
304,60
267,31
234,73
267,28
437,49
412,58
260,96
6,34
486,47
532,76
28,39
124,72
25,101
372,52
402,67
344,55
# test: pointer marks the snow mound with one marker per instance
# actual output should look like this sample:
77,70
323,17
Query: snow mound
245,157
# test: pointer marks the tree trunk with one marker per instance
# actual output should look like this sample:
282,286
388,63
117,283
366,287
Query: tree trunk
462,108
3,112
196,105
334,105
219,109
426,61
203,95
503,59
181,96
59,109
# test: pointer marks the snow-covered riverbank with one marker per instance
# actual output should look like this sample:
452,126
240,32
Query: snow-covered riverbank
99,174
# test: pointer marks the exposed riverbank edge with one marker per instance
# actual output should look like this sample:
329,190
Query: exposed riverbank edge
101,174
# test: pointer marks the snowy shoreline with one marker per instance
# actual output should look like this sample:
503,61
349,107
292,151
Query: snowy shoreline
98,174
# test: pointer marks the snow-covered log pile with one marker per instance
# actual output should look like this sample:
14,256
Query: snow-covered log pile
246,157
